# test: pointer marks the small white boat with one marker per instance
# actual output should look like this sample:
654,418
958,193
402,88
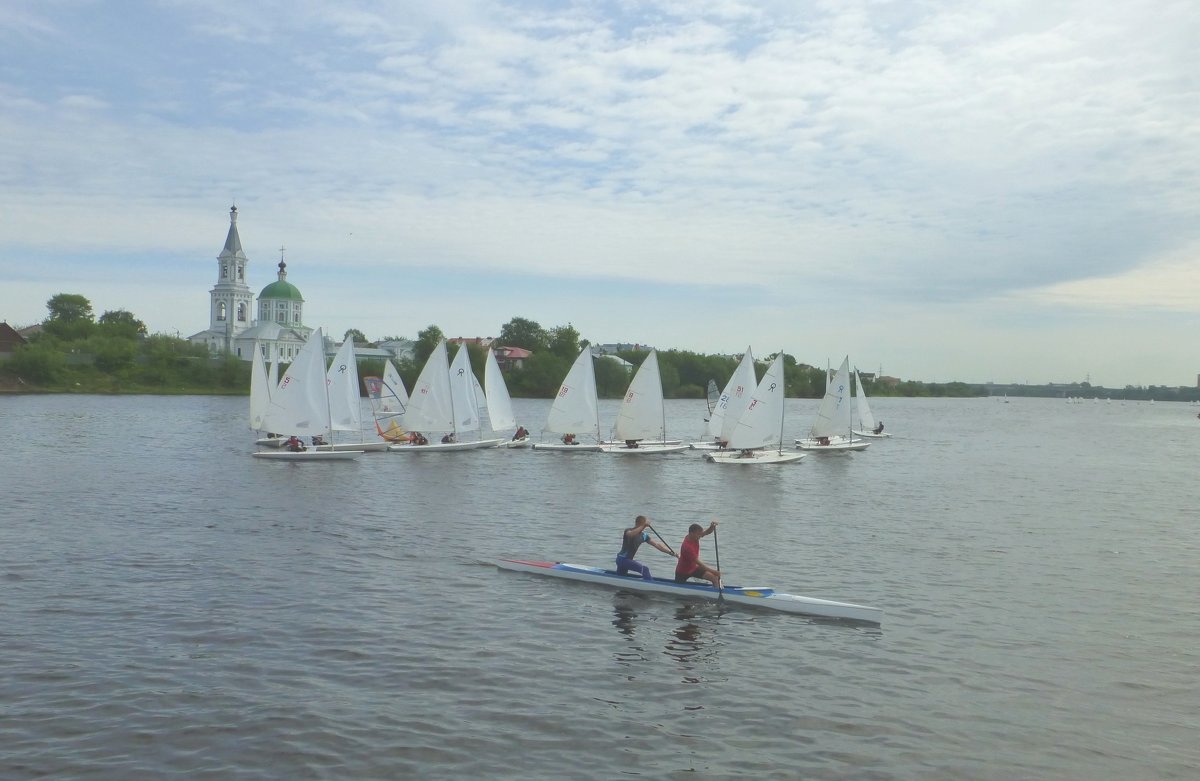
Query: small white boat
301,405
832,444
734,399
446,447
308,455
757,436
445,398
832,430
643,449
866,421
576,409
753,596
641,427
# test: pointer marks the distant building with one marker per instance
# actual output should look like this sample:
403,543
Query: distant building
279,331
482,342
511,357
10,338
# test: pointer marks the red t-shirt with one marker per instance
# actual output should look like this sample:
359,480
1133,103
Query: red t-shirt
689,556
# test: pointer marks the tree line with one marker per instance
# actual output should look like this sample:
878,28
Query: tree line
75,350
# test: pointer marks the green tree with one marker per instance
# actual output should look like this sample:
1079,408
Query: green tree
564,341
121,323
524,333
70,317
427,340
112,354
358,336
40,363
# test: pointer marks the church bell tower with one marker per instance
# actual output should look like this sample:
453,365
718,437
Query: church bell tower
232,303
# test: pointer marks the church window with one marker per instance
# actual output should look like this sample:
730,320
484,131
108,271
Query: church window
296,318
224,271
241,272
239,352
221,311
242,312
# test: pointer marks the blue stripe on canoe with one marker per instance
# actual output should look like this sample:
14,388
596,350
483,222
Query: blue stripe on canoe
612,575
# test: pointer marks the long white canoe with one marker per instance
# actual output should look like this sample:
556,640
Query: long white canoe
745,595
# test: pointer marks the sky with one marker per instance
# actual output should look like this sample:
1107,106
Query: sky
973,191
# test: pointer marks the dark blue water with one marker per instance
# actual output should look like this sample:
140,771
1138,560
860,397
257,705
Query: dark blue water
173,607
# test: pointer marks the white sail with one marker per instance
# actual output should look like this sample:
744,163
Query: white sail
641,415
345,410
499,404
463,392
429,406
761,423
575,408
260,391
834,414
866,421
300,405
393,396
734,398
273,377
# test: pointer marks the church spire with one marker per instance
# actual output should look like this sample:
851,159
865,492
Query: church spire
282,266
233,242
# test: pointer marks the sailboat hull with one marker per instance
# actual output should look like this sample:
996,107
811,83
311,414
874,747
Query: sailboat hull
561,448
871,434
754,457
741,595
308,455
643,450
446,447
366,447
835,445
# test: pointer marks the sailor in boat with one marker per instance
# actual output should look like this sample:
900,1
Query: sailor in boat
449,439
417,438
631,443
746,453
632,539
689,565
295,444
879,427
822,440
521,433
318,440
568,439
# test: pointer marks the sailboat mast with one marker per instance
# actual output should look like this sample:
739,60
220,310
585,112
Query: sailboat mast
781,406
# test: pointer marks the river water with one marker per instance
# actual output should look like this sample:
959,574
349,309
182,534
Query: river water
173,607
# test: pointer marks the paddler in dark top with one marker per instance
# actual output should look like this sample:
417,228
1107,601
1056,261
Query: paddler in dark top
631,539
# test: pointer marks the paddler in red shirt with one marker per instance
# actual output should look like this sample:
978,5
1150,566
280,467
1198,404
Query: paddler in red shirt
689,565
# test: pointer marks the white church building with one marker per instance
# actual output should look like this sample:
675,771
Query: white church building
278,331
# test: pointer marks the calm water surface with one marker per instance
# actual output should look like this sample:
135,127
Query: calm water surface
173,607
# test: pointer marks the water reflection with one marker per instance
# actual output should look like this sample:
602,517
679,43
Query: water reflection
692,643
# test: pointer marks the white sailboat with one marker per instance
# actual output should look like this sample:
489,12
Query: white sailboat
260,399
867,425
732,402
576,409
757,437
444,401
641,426
388,398
345,404
300,405
832,429
499,403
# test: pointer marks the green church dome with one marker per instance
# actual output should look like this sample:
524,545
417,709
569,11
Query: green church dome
281,289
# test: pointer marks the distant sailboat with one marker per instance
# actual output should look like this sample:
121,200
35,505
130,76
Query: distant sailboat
388,399
832,430
867,427
734,399
576,409
757,437
642,421
300,405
